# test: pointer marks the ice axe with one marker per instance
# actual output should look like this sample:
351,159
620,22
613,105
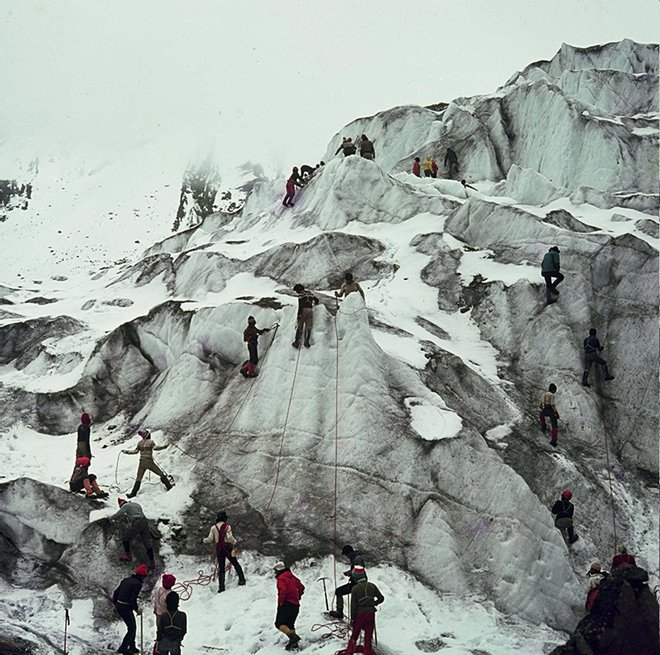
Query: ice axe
67,622
325,593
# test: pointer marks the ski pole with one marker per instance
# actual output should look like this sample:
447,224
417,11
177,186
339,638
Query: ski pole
66,624
325,593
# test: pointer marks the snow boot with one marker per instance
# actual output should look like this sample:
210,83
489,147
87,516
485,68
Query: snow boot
296,340
607,374
294,640
165,480
585,379
134,490
336,615
308,334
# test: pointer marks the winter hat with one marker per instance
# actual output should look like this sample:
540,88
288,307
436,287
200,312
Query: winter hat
298,288
85,419
252,319
142,570
144,433
346,550
555,248
82,461
358,572
168,581
595,568
567,494
279,566
121,501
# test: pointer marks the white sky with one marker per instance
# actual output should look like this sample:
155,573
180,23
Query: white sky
268,81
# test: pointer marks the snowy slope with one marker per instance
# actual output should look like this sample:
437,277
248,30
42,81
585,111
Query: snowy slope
408,428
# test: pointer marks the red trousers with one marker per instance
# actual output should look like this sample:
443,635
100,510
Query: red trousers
365,622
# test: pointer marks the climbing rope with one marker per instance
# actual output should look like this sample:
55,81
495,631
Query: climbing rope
336,489
338,629
609,477
286,422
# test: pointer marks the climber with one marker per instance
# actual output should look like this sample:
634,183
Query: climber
434,168
135,524
416,169
160,593
294,181
82,479
355,558
467,186
146,448
83,448
367,150
451,160
349,286
623,557
305,319
365,596
563,510
548,408
289,593
591,349
549,270
225,548
347,146
250,336
171,626
428,166
307,172
125,602
595,578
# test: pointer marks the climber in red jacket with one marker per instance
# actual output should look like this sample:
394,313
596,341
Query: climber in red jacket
289,593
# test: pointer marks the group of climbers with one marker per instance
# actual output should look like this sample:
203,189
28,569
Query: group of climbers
430,165
299,178
171,623
596,575
364,144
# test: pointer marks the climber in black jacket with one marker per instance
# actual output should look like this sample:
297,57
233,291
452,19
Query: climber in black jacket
125,601
563,511
591,349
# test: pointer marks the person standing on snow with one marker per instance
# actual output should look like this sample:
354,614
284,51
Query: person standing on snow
367,150
595,578
563,511
145,449
305,320
83,447
549,409
428,167
135,524
250,336
82,479
549,270
225,548
451,160
347,147
171,627
289,593
591,349
416,169
161,593
349,286
355,558
294,181
125,601
365,596
434,168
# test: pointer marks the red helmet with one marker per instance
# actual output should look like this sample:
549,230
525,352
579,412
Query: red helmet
142,570
567,494
82,461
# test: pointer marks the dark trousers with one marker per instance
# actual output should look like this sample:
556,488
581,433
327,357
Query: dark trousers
127,616
254,355
288,198
225,554
366,622
287,613
550,286
592,358
549,412
342,591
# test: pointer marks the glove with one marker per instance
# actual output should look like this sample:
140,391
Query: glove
336,294
267,330
556,415
347,574
125,452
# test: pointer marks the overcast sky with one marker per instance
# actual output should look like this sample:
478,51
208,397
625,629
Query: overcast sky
269,81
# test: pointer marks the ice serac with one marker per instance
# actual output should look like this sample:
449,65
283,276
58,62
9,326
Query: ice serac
280,447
